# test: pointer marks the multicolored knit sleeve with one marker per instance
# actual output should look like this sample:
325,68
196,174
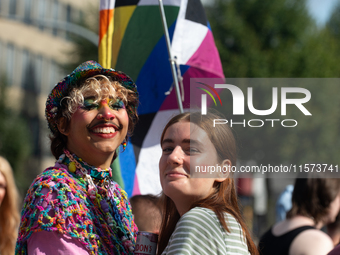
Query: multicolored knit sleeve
64,213
58,201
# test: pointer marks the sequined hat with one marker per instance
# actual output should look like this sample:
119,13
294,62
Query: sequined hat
83,71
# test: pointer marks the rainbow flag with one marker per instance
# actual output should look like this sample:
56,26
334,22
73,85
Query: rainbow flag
132,40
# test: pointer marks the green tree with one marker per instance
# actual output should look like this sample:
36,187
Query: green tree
333,30
15,144
333,24
264,38
268,39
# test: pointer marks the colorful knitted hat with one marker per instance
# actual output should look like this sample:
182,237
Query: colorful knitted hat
82,72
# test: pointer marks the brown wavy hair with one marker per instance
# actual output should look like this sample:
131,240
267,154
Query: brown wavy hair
9,211
223,199
103,86
312,197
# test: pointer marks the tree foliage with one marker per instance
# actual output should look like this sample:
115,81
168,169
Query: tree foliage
279,39
333,25
15,143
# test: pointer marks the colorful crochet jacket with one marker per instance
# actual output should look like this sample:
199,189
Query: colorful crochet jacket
72,212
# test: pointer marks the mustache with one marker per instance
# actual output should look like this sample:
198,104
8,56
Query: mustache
90,126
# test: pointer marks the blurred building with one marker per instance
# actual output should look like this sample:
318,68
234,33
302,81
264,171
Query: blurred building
34,41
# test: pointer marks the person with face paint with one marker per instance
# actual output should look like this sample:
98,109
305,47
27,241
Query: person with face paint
9,209
200,213
74,207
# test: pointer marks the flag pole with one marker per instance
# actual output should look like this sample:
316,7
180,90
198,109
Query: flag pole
172,61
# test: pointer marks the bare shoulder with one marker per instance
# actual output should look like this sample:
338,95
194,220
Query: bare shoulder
311,242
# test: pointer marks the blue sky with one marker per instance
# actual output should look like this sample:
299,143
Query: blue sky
321,9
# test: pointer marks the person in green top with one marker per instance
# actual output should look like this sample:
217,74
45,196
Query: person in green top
201,213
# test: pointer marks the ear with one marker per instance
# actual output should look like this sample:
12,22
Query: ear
62,126
226,166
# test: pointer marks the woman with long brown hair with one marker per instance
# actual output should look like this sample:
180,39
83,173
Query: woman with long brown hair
201,215
315,203
9,211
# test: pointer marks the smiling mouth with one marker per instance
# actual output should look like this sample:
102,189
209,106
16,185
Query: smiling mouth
104,130
176,174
